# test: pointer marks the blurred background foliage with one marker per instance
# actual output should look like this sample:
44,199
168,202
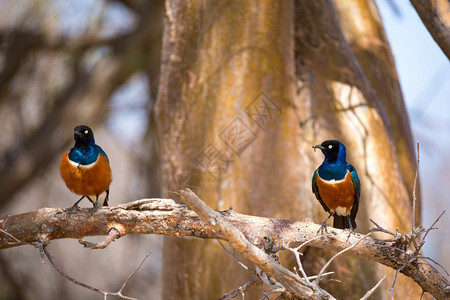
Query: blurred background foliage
64,63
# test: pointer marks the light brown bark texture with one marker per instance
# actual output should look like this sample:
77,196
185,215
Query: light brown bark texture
246,89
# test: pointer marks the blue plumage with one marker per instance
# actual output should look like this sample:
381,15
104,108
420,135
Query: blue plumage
86,155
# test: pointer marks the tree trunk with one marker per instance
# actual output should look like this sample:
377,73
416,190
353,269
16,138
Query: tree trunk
246,89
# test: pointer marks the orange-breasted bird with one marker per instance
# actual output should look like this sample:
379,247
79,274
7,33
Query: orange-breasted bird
336,185
85,168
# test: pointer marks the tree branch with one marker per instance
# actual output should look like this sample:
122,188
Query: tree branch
164,216
291,281
435,16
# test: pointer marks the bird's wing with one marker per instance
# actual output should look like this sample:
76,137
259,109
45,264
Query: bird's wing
315,190
357,185
101,152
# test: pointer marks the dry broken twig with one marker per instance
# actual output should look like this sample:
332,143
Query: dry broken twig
164,216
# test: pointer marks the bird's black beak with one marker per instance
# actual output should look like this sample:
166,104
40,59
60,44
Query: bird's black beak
78,133
318,146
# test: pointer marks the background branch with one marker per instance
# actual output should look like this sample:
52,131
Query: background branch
435,16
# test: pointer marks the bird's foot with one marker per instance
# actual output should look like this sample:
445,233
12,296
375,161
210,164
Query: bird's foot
73,208
350,232
95,207
322,228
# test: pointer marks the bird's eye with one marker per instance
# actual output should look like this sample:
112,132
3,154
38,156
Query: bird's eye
330,146
86,131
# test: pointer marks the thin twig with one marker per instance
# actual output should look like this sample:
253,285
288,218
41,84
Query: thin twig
431,227
17,241
336,255
134,272
370,292
235,258
50,258
430,259
324,274
272,291
414,189
312,239
119,294
381,229
396,274
297,254
240,290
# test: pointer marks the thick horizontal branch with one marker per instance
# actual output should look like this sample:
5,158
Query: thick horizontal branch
166,217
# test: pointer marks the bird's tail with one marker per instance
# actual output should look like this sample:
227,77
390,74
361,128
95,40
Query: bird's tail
342,222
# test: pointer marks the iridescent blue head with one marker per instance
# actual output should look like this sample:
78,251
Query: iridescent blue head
334,165
85,150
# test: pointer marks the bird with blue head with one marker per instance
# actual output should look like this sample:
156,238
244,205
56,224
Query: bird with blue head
336,186
85,168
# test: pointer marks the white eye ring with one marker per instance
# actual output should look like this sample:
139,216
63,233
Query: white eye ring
330,146
86,131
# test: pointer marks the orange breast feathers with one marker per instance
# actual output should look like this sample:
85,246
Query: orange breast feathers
338,195
90,180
